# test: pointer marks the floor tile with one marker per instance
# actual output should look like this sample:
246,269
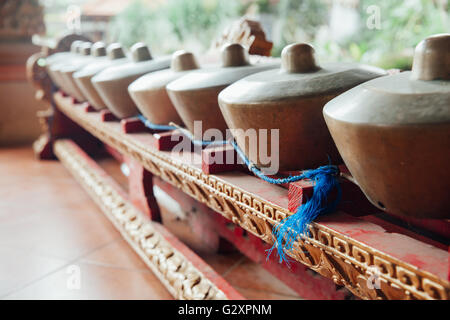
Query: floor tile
18,268
44,210
68,236
47,221
95,282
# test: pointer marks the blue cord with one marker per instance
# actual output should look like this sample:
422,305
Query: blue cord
185,132
154,126
203,143
253,168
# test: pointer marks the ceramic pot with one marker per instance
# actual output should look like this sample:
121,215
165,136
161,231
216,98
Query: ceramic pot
394,134
291,100
195,94
54,61
149,91
115,56
112,83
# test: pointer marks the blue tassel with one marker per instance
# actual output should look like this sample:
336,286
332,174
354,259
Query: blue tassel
286,232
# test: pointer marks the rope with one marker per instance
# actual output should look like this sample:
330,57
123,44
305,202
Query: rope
203,143
253,168
153,126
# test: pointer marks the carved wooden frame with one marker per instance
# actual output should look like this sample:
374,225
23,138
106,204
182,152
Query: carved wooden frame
181,278
333,255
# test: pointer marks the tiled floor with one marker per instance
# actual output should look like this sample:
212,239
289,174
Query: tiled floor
52,235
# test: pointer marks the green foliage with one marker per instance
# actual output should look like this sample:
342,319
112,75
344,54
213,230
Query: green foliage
132,25
403,25
193,16
265,6
177,22
193,24
298,20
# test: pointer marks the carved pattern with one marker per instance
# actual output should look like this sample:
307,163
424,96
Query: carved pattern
333,255
179,276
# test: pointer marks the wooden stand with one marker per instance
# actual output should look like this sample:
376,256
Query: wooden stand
342,248
344,252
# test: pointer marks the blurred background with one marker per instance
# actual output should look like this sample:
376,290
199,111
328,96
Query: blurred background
379,32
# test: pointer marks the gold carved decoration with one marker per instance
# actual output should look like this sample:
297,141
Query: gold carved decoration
331,254
174,270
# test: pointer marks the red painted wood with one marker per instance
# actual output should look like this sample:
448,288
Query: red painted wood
133,125
394,228
166,141
62,93
141,189
88,108
353,201
220,159
107,116
435,226
74,100
298,193
114,153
